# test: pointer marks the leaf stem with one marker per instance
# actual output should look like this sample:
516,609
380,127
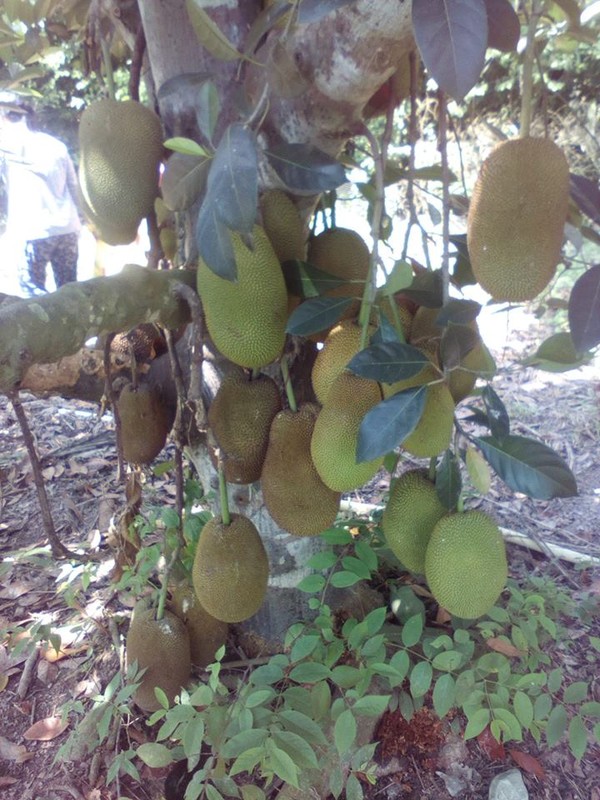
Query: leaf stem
225,515
537,7
287,382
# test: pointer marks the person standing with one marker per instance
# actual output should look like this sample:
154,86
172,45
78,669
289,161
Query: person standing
42,203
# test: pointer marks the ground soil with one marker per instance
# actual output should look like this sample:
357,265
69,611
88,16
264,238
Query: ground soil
414,761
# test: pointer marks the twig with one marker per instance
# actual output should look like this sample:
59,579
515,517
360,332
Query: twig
137,59
112,399
443,148
27,674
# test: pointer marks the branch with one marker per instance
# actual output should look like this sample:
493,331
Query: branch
44,330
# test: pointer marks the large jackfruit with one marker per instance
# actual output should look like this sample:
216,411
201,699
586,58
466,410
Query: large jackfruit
412,510
465,563
231,569
516,218
162,648
240,417
293,492
335,436
341,344
120,147
246,318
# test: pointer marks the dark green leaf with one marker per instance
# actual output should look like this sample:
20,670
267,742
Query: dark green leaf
303,647
304,280
208,108
245,740
209,34
296,747
477,723
371,705
462,272
185,81
496,413
309,672
369,557
576,692
305,169
183,180
448,482
316,315
557,725
387,424
388,362
427,289
504,27
323,560
452,38
448,661
155,755
358,567
460,312
281,764
456,343
214,243
343,579
420,679
584,309
523,708
578,737
232,186
444,693
303,725
529,467
412,630
311,584
344,732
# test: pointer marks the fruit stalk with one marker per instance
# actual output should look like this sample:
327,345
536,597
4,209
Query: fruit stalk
289,389
225,515
537,7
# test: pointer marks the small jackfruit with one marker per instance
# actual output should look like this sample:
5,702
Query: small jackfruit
246,318
341,344
412,511
335,436
433,431
283,225
461,380
162,647
206,633
120,145
516,218
231,569
465,563
294,494
240,417
145,423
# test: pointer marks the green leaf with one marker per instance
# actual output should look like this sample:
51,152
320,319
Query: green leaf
557,354
420,679
316,315
477,723
212,793
251,792
245,740
305,169
406,706
557,725
367,555
266,675
388,362
400,661
344,732
448,661
371,705
209,34
584,301
233,179
497,415
448,482
353,788
444,693
311,584
337,536
193,737
305,281
213,238
259,697
303,647
358,567
479,471
281,764
576,692
542,706
187,146
309,672
389,423
523,708
346,676
529,467
322,560
578,737
155,755
590,709
297,748
303,725
412,631
343,579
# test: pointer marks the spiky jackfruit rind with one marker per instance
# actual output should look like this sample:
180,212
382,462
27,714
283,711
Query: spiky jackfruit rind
465,564
516,218
293,491
162,647
206,633
240,418
120,150
283,225
433,432
246,318
145,423
231,569
335,436
411,513
340,345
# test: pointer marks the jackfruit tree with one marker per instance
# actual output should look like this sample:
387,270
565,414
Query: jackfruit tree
255,119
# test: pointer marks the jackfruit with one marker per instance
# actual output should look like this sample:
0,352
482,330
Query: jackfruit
206,633
433,432
283,225
335,436
461,380
120,145
465,564
412,511
240,417
145,423
162,647
231,569
516,218
294,494
340,345
246,318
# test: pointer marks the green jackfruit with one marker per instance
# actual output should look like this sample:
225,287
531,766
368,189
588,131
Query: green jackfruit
465,563
293,492
145,423
120,145
162,647
240,417
433,432
206,633
340,345
283,225
335,436
246,318
231,569
412,511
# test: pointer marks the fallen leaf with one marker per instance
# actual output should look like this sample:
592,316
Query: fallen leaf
527,762
13,752
45,729
442,616
491,746
504,647
3,681
51,654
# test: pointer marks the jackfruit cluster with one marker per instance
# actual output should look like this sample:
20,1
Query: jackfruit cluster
246,318
120,146
516,218
162,648
465,563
